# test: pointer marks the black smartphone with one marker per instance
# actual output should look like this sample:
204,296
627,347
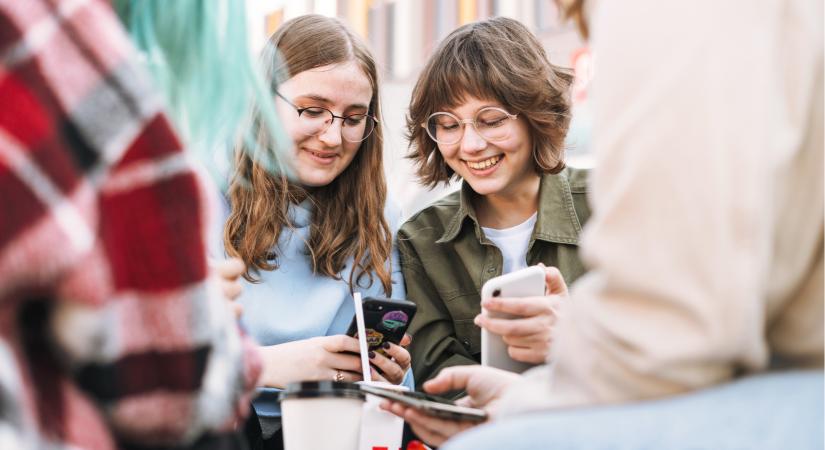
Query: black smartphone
385,320
434,406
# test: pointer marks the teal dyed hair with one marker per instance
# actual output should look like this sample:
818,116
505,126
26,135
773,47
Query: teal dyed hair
198,52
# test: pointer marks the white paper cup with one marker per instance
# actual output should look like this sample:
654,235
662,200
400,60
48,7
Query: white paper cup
379,428
321,415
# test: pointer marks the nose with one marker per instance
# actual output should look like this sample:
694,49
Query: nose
471,141
331,137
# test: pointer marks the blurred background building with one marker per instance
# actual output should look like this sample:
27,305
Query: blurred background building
403,33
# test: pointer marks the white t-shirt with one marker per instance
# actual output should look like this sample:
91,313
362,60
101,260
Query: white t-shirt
513,243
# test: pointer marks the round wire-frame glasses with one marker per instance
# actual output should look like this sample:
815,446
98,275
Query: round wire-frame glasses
315,120
491,123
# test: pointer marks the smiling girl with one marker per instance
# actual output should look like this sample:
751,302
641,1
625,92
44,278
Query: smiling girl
312,241
490,109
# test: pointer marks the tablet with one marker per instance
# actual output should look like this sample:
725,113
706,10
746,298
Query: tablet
434,406
527,282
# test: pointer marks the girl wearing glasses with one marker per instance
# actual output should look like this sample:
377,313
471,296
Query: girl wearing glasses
312,241
490,109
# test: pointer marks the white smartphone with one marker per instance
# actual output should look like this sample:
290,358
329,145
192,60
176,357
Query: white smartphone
432,405
527,282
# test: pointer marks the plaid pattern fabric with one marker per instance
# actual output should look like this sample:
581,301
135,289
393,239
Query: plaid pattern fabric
110,334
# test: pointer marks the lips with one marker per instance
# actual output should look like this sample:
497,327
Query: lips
321,154
484,164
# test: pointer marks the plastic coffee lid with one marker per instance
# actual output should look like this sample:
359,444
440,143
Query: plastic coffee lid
321,389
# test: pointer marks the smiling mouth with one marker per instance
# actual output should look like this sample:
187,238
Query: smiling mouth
485,164
322,155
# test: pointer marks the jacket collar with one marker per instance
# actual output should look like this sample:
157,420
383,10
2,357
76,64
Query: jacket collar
556,222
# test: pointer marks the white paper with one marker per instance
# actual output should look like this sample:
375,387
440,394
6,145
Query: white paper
362,337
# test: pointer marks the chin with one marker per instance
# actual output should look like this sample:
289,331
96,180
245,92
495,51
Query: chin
315,180
484,188
313,183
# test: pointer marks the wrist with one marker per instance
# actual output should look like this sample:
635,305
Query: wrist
272,373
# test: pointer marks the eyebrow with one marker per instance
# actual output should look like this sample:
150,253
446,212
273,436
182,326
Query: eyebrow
322,99
451,110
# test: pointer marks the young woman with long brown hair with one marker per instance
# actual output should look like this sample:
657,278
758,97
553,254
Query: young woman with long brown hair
313,240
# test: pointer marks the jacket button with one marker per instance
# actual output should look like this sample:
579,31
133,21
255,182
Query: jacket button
491,270
466,342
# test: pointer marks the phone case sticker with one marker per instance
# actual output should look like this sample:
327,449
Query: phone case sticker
374,338
394,320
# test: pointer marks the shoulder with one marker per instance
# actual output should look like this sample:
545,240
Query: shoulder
577,179
432,220
392,213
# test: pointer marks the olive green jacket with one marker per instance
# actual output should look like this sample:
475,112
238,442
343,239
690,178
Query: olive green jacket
446,258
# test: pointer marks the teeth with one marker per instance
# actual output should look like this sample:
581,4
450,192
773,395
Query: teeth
484,164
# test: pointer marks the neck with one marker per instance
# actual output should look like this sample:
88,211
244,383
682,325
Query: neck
508,209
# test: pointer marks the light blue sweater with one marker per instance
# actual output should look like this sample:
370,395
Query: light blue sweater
292,303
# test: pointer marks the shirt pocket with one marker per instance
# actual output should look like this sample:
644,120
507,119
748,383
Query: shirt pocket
464,305
469,335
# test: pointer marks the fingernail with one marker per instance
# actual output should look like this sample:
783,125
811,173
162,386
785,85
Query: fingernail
385,345
415,445
371,354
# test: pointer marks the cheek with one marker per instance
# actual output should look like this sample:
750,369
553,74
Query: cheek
298,140
352,147
448,152
289,120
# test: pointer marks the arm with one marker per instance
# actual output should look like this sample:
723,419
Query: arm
148,309
434,344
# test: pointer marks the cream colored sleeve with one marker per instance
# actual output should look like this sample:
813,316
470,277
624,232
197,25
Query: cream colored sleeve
701,115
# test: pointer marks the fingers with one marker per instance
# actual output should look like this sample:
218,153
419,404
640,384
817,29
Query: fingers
228,272
451,379
231,289
345,375
541,340
406,340
229,269
522,307
532,355
531,326
400,355
376,376
344,361
554,281
237,309
340,343
393,372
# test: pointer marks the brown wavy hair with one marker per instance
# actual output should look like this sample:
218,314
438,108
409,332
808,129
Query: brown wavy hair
497,59
348,214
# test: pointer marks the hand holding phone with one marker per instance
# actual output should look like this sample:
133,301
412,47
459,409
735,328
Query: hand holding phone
516,308
385,320
429,404
484,387
385,323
